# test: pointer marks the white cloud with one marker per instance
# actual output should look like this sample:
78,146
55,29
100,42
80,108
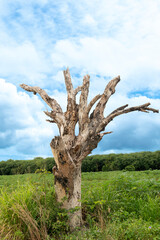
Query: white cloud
106,56
89,20
123,39
23,124
22,60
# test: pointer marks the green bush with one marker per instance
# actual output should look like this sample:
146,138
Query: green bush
130,168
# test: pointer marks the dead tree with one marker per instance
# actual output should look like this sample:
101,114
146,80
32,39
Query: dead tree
68,149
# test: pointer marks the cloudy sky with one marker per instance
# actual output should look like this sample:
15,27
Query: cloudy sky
40,38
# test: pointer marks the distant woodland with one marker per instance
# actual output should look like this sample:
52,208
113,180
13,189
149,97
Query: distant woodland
129,162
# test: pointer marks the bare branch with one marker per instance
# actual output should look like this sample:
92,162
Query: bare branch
92,102
102,134
83,102
71,115
50,101
56,118
68,82
120,108
50,114
109,90
153,110
141,108
84,92
51,121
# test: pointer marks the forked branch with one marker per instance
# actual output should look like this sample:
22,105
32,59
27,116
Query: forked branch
123,110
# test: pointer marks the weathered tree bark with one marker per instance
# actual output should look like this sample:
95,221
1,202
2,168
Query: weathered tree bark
69,150
67,181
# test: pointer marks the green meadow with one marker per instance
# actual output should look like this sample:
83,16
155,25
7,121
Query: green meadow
116,205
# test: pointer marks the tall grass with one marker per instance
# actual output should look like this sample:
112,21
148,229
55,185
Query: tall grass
115,206
30,212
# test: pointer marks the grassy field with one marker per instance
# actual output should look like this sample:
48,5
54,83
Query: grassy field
115,205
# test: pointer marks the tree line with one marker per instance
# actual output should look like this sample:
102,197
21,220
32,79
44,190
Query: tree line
133,161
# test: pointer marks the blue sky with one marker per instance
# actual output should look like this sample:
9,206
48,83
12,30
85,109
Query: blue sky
40,38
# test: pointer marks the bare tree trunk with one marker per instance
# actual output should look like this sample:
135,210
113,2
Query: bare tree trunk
68,187
69,150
